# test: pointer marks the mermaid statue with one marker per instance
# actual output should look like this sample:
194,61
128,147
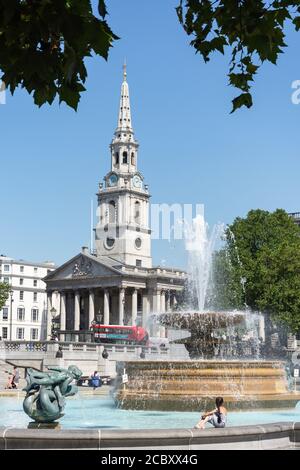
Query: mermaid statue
46,392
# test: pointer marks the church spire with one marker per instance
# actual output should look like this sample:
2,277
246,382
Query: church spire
124,122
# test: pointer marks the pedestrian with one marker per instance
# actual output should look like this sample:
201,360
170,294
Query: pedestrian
96,380
216,417
16,377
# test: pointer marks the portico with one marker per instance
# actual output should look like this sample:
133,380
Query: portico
111,294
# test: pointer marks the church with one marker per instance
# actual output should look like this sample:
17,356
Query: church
115,284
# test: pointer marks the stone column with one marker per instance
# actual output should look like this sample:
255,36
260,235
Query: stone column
145,310
169,302
134,307
91,307
106,312
77,314
156,301
163,301
121,306
173,301
49,318
63,310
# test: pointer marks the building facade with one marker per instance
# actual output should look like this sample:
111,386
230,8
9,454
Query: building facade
24,316
296,217
117,283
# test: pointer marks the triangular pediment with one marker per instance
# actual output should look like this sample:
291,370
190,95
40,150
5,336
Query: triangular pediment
82,266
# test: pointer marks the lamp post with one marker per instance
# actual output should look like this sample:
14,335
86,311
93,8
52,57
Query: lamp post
53,312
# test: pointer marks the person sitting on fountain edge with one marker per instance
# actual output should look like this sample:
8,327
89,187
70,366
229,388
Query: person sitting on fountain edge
216,417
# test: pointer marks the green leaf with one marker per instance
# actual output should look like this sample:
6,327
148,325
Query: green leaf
102,8
245,99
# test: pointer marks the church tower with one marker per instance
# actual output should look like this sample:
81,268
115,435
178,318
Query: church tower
122,231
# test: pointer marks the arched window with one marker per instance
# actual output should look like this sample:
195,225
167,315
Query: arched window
132,158
137,212
124,157
112,212
117,158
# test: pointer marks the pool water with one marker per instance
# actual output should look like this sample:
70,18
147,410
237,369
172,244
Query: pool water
101,412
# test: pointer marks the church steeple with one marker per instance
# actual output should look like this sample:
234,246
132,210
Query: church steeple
123,203
124,121
124,146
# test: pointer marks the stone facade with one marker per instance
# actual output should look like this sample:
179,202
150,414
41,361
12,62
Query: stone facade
24,316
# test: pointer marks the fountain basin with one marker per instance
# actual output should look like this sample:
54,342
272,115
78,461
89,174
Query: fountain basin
194,385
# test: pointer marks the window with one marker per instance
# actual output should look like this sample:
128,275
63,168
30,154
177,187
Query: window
34,333
6,280
6,268
35,296
21,314
34,315
5,314
138,263
125,157
21,281
21,269
35,283
35,270
4,332
137,212
21,295
20,333
112,212
132,159
117,158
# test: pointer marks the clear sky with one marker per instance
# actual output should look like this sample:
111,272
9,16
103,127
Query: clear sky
192,150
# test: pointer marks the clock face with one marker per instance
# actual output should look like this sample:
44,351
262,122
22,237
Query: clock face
137,182
113,179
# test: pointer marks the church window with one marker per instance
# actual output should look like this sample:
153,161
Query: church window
132,159
138,263
117,158
125,157
112,212
137,212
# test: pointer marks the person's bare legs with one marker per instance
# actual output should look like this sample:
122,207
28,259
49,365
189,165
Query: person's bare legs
201,424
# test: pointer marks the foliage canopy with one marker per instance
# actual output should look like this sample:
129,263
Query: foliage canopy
260,266
43,43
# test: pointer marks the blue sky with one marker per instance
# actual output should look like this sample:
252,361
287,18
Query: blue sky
192,150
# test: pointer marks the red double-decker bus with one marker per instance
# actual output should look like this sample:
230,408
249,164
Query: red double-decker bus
119,334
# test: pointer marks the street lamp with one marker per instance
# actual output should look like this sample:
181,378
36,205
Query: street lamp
53,312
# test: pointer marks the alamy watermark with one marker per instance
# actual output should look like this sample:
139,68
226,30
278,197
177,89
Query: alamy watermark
167,221
296,94
2,92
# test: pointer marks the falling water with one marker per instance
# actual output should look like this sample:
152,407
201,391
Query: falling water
242,279
200,247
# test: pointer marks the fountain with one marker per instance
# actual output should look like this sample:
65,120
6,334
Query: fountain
238,373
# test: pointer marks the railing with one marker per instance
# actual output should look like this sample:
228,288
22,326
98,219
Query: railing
112,349
28,346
